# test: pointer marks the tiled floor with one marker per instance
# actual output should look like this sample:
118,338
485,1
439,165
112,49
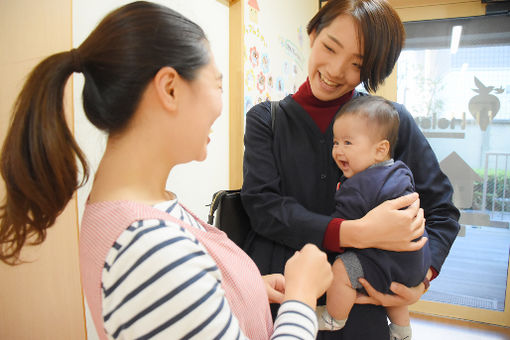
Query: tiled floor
427,327
475,271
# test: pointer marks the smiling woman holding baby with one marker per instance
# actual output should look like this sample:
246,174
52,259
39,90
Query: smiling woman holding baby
290,178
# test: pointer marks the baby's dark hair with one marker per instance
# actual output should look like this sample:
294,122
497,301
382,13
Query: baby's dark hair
379,113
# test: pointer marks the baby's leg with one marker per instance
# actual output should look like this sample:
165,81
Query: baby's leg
341,294
400,327
398,315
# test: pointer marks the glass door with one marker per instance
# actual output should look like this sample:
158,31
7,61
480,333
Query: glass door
454,77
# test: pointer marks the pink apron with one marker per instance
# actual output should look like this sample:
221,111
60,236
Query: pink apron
245,291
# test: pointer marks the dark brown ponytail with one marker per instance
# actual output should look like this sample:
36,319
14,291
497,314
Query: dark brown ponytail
118,59
38,161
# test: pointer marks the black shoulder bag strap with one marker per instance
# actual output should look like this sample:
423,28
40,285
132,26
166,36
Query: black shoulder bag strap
232,218
274,108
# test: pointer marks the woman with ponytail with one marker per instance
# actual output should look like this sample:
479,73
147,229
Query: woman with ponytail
150,268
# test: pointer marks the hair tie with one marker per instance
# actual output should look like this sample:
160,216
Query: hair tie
77,66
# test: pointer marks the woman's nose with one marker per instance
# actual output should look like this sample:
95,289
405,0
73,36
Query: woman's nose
340,68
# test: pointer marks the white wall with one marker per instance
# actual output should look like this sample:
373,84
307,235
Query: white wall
194,183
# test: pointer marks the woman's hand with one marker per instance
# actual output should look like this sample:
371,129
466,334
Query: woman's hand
404,296
275,287
307,275
388,227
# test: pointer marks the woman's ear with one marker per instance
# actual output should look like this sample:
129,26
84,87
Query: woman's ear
382,151
312,37
166,83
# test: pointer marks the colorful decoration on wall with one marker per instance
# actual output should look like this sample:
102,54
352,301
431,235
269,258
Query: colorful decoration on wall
254,35
293,51
265,63
254,57
254,4
261,82
253,11
248,103
250,80
300,36
271,72
280,84
270,82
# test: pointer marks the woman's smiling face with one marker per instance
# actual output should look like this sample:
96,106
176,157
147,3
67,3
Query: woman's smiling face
335,59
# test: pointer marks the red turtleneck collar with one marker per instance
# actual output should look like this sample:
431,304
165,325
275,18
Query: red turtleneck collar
322,112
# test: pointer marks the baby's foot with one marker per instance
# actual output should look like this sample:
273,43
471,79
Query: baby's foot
326,321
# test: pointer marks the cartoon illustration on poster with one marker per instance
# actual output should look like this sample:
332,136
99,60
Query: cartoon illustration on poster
250,80
254,57
265,63
253,11
280,84
261,82
292,51
248,103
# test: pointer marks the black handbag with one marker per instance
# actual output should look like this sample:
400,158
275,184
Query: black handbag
230,215
228,208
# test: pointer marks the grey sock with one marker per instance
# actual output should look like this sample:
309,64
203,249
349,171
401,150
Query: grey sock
400,332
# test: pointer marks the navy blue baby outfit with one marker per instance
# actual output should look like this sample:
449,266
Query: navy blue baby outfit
361,193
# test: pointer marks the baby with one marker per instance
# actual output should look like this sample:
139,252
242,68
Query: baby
365,133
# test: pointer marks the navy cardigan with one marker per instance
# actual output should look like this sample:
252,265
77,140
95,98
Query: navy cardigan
290,182
289,187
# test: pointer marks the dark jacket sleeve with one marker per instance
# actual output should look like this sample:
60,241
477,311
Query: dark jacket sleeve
284,220
431,183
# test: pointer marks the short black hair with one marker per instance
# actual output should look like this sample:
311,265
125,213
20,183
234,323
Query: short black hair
380,32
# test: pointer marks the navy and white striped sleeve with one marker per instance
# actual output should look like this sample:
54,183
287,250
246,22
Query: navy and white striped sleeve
295,320
160,282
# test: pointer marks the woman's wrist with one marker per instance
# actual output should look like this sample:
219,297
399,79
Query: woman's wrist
351,234
301,296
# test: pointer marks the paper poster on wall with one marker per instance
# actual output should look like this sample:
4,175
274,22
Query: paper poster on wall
253,11
274,63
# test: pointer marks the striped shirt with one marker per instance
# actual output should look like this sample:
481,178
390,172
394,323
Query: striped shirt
159,281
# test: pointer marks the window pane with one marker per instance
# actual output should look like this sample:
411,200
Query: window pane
454,77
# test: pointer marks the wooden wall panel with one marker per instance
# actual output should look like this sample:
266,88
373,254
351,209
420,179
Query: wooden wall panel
41,299
236,94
